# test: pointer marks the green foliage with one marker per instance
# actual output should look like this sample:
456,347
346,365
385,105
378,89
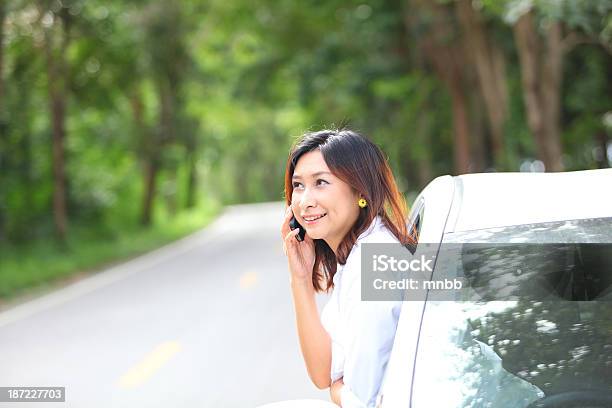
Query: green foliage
239,81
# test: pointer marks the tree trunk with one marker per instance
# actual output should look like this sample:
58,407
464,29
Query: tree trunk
153,145
57,106
192,179
169,190
551,74
490,71
26,156
167,102
541,82
601,141
478,139
2,18
56,77
448,63
461,129
2,124
150,178
149,163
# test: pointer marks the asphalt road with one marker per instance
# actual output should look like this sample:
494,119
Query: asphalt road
207,321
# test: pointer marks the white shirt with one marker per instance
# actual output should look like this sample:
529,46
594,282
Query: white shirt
362,332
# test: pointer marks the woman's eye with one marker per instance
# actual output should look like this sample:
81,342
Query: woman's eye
298,184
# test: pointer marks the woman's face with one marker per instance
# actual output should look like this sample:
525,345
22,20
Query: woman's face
317,192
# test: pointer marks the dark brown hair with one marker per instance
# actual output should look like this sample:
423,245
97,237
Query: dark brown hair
361,164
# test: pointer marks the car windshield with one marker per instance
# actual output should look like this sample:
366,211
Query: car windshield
501,349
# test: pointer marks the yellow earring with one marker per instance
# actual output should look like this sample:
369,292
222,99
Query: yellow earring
362,203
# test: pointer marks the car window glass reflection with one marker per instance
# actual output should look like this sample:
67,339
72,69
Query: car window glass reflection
509,353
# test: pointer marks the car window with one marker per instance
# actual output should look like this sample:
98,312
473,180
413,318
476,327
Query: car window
505,349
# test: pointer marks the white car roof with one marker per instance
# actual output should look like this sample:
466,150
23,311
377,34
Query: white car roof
489,200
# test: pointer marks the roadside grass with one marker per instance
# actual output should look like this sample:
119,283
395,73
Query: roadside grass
39,266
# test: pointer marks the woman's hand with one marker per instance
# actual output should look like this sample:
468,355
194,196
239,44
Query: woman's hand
301,255
334,391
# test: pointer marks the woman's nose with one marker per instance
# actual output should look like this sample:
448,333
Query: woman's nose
307,199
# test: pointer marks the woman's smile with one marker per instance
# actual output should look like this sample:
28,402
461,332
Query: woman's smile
313,219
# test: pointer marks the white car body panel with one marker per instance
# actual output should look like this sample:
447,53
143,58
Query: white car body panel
526,198
481,201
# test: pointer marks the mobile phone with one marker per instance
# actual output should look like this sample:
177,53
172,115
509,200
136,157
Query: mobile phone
293,224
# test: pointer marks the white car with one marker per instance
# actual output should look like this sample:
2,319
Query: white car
534,327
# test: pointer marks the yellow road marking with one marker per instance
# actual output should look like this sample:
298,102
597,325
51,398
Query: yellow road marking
150,364
248,279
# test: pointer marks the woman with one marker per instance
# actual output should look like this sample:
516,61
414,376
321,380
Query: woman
340,189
